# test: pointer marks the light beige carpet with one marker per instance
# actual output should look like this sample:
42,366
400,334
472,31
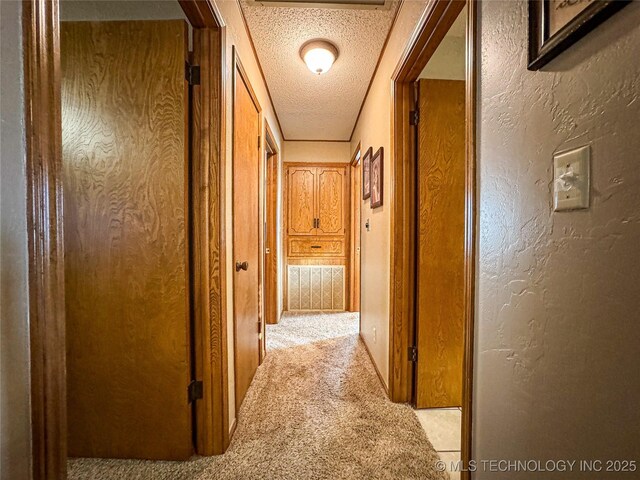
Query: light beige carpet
315,410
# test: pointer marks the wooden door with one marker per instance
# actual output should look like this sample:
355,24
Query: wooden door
330,192
301,192
246,229
440,295
124,129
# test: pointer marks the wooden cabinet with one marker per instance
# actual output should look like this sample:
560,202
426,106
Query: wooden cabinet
316,212
302,206
316,200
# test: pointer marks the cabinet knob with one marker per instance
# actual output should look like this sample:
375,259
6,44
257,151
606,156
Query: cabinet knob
242,266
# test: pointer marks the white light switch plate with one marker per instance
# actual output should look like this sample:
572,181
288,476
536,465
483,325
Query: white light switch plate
571,182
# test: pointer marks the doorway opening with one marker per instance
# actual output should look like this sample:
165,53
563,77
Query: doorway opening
433,221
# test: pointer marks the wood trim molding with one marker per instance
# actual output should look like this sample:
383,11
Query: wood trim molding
209,267
354,156
433,26
45,241
471,222
353,199
402,285
202,13
272,178
375,70
270,139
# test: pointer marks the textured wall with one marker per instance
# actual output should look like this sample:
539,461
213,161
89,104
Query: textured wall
317,152
15,412
558,334
374,130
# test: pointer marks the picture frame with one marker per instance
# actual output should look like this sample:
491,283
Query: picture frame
377,178
555,25
366,174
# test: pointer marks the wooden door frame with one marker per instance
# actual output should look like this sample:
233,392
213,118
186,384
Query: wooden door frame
239,73
272,177
354,202
43,126
433,26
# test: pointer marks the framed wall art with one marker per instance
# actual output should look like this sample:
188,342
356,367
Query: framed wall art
366,174
377,168
555,25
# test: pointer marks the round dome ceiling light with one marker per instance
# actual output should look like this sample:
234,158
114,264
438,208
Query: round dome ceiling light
319,55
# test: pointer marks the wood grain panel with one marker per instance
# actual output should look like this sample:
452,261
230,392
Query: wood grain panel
301,208
124,132
331,192
246,230
316,247
441,217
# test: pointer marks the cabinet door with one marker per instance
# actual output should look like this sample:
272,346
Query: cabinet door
331,185
301,200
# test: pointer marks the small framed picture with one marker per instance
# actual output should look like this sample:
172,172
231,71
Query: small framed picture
366,174
555,25
376,179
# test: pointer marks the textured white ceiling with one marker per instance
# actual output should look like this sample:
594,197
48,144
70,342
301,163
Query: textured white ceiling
317,107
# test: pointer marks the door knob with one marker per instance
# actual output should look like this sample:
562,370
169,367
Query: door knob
242,266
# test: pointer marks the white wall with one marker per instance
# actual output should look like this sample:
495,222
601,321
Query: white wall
558,318
317,152
374,130
104,10
448,61
15,410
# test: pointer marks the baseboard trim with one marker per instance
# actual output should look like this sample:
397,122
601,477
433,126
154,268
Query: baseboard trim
232,430
375,367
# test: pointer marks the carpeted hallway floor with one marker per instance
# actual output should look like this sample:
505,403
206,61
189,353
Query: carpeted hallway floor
315,410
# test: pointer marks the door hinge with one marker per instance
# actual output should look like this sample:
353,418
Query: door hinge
259,139
195,390
414,117
192,74
413,354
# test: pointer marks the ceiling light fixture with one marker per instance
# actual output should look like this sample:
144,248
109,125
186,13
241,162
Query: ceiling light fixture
319,55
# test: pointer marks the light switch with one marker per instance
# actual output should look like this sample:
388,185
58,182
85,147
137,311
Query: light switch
571,181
